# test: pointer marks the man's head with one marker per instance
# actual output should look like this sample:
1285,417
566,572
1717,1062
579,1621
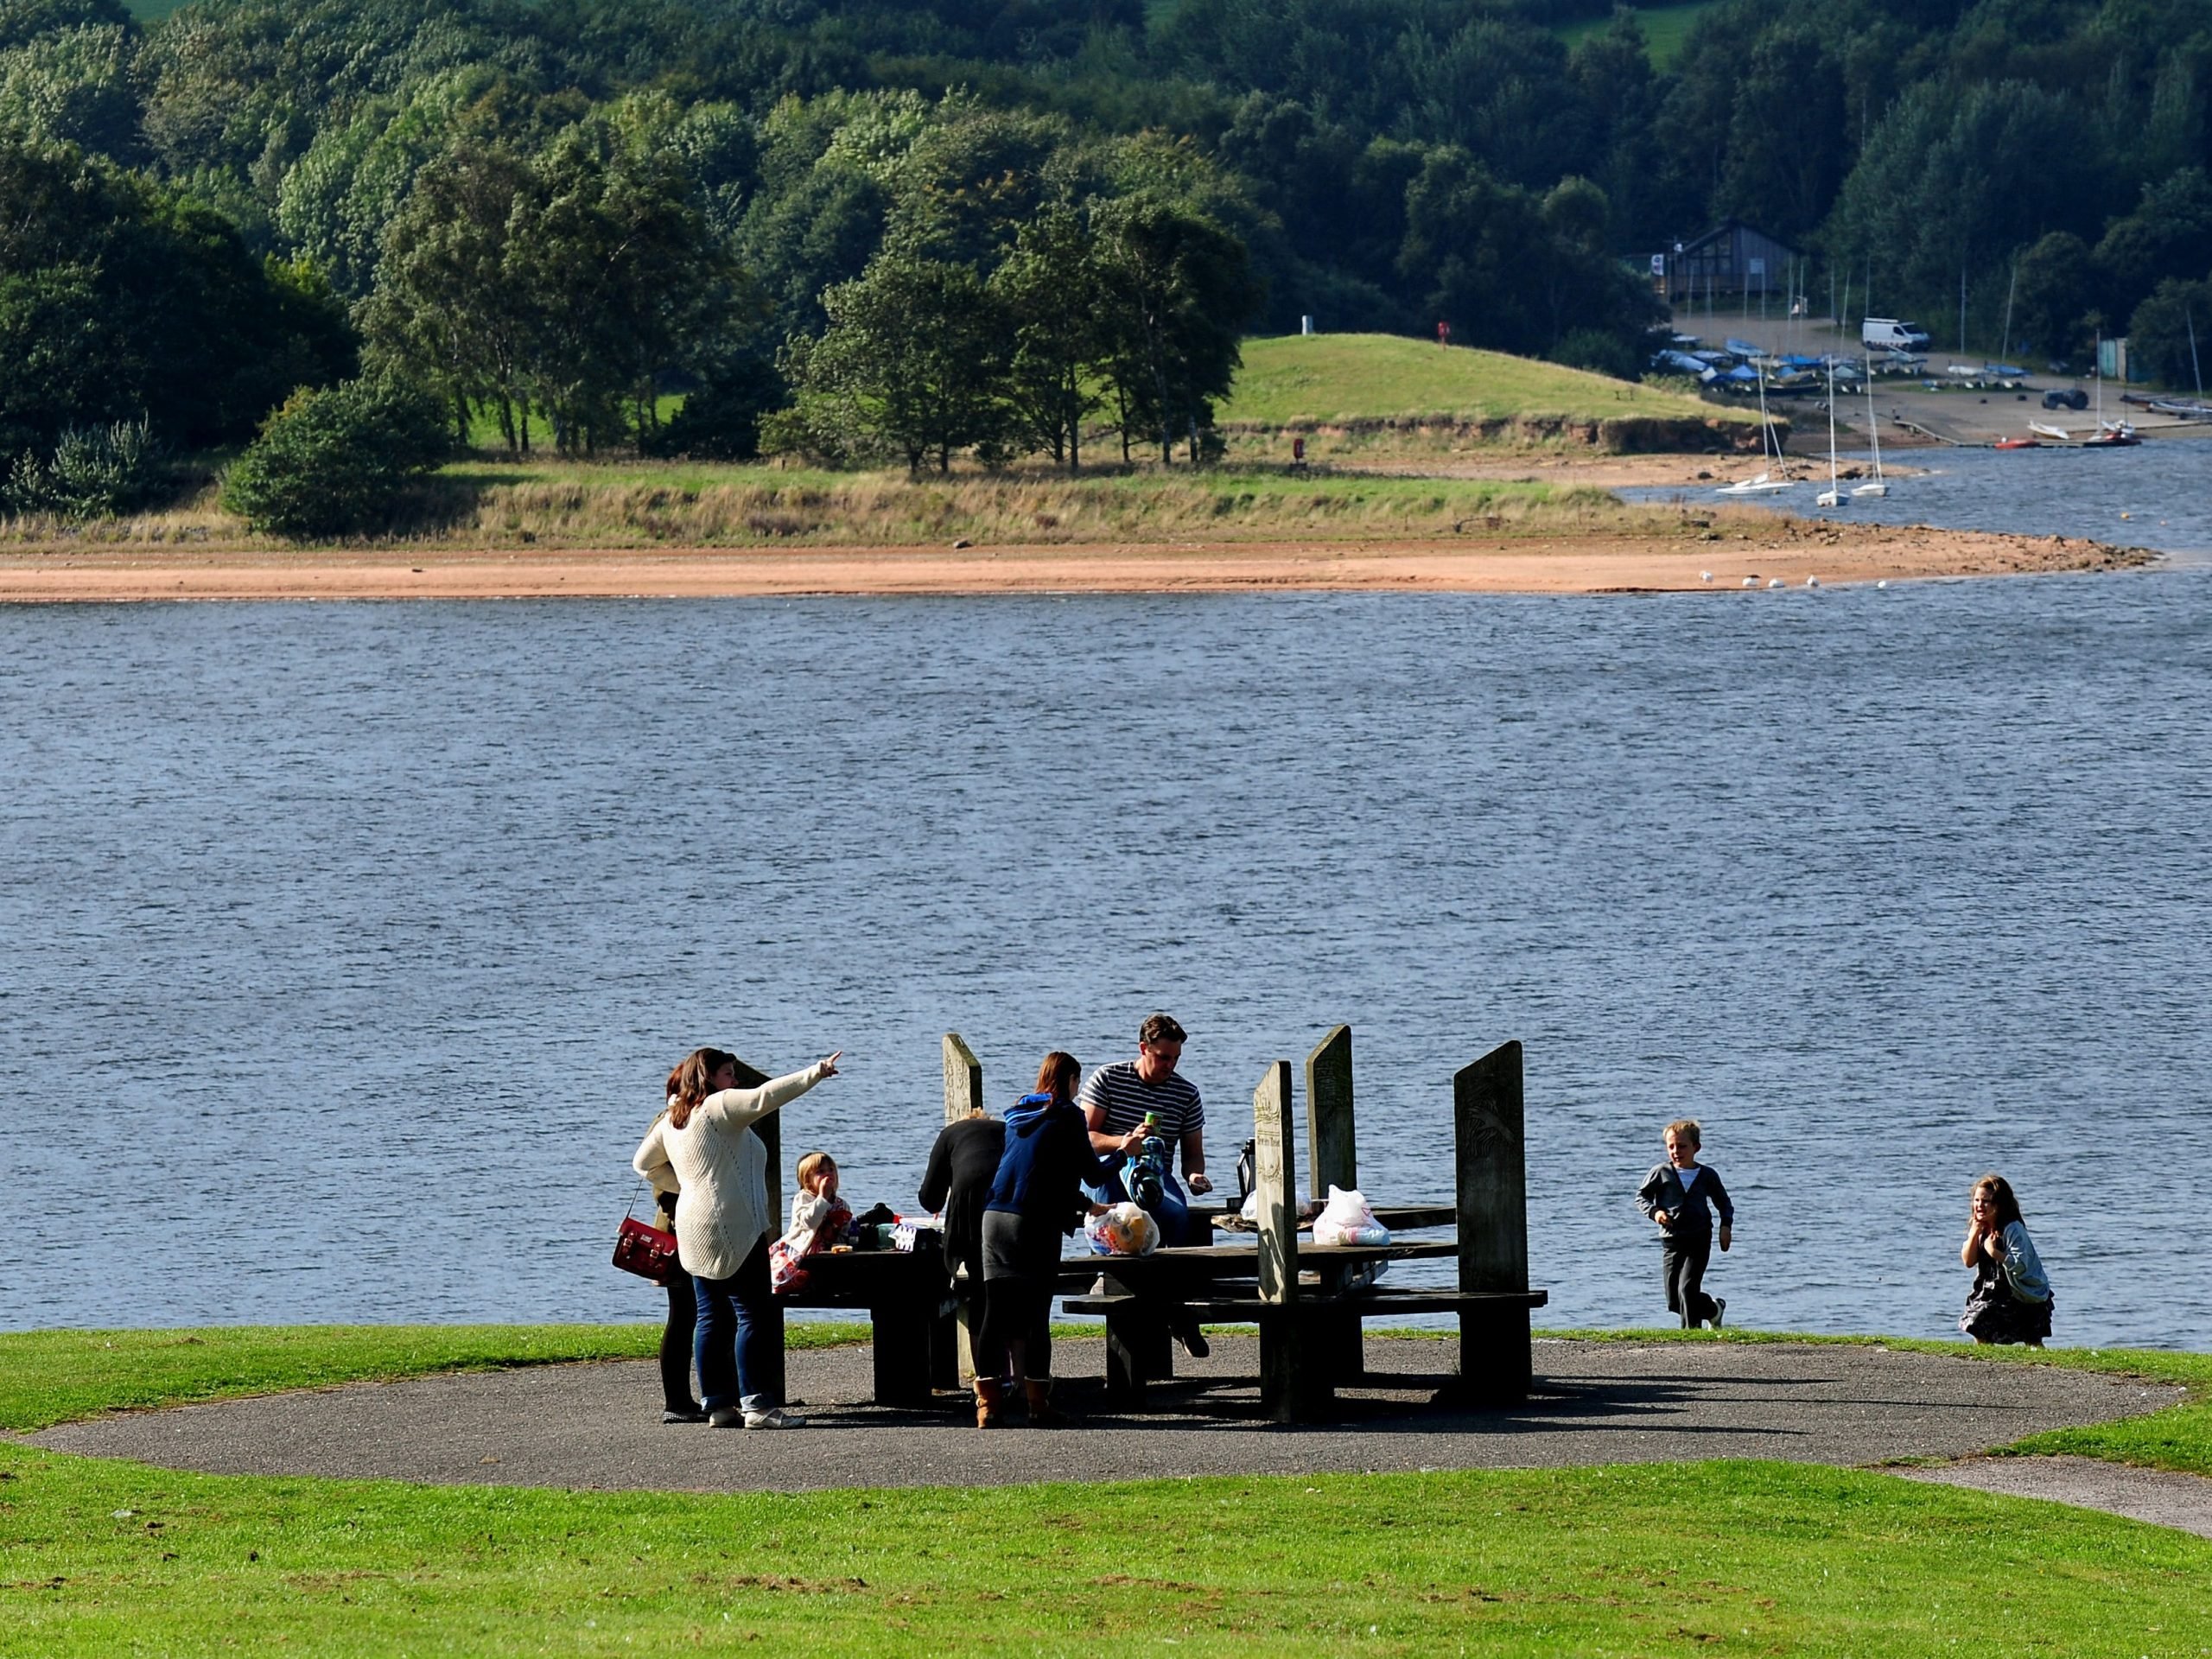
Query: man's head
1159,1046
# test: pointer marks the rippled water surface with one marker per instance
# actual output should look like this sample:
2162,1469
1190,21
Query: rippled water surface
2157,495
343,947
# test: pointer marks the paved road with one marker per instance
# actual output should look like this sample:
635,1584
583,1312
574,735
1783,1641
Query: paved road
598,1426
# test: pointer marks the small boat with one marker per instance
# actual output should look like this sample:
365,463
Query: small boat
1832,496
2109,435
1877,485
2113,435
2017,443
2056,434
1763,484
1771,452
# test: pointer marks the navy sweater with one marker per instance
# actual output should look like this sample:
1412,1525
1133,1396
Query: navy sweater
1047,1162
1689,1214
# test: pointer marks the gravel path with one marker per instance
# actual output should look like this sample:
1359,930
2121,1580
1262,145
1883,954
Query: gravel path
599,1425
2163,1498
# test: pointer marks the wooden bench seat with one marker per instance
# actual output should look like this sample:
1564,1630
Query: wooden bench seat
1320,1333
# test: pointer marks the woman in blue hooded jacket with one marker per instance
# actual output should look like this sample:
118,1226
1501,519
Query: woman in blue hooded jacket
1037,1199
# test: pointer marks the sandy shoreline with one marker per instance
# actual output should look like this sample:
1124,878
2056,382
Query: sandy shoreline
1731,551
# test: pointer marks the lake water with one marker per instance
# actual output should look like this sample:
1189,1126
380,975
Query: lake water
2158,494
343,947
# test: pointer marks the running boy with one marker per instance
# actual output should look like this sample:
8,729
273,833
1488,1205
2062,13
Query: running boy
1681,1195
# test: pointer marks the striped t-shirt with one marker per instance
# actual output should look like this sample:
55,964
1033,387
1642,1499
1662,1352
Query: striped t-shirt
1127,1097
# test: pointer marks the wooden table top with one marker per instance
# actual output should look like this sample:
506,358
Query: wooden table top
1227,1260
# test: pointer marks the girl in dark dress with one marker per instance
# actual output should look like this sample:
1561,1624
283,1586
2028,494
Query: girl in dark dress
2011,1298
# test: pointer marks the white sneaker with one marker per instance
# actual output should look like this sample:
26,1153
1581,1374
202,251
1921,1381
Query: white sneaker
725,1417
775,1417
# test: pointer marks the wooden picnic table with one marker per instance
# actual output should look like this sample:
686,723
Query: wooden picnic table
1143,1298
910,1301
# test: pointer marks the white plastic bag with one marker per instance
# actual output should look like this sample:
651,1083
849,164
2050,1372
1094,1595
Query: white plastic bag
1124,1230
1346,1220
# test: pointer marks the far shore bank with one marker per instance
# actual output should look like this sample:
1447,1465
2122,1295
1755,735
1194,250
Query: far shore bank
1728,549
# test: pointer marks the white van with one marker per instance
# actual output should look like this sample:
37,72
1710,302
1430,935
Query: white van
1889,334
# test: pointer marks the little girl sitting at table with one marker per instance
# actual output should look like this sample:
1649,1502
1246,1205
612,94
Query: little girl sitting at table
819,1219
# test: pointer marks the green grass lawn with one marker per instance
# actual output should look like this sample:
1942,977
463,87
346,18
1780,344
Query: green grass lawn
108,1557
1666,30
1329,378
113,1558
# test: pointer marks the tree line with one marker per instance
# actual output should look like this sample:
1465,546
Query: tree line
546,216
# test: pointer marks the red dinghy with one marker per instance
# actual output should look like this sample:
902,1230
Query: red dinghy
2017,443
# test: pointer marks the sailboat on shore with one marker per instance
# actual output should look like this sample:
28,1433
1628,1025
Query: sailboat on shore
1877,486
2109,435
1832,496
1766,483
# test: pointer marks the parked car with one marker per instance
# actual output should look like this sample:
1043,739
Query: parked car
2066,398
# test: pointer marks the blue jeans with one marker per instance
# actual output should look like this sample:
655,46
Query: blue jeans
1174,1213
729,1334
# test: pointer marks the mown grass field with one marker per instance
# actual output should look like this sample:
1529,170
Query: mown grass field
1335,379
1666,30
109,1558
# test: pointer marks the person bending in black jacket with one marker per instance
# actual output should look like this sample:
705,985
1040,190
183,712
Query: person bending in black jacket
962,1165
1681,1196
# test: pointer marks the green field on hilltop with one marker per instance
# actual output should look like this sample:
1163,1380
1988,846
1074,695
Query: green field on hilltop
107,1556
1325,379
1666,30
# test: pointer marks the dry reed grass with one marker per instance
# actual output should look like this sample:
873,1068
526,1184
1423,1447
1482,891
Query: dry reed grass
632,505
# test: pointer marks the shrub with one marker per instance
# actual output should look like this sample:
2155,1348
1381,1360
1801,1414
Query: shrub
722,420
1599,351
94,471
336,462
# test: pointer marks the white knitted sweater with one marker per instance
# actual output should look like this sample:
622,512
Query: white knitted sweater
718,1169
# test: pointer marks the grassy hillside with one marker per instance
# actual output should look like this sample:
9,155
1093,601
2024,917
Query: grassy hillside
1666,30
1333,380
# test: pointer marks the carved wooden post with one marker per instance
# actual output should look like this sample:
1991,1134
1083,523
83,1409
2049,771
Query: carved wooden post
1293,1388
1494,1361
770,1131
963,1097
1274,1176
1328,1114
964,1079
1333,1146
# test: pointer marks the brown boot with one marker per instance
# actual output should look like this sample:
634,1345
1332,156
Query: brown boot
990,1397
1043,1413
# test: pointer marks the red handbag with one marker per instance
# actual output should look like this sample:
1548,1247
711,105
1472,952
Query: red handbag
646,1251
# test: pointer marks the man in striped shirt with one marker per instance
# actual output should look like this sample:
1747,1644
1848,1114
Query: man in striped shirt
1116,1100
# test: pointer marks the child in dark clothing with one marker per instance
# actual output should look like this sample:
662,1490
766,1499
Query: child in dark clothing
1681,1196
